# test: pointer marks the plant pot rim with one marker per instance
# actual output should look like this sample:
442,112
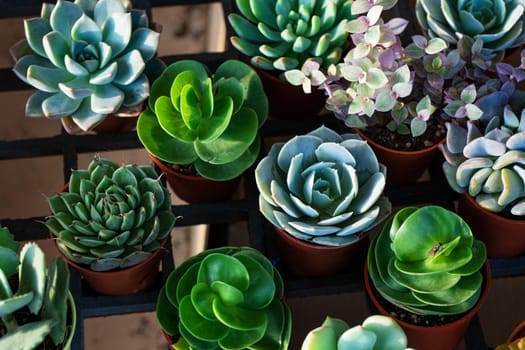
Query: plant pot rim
72,307
392,150
115,273
310,245
160,163
470,313
490,214
518,332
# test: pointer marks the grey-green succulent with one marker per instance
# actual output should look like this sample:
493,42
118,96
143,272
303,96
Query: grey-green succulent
88,59
284,34
322,187
426,260
111,217
43,290
488,161
498,23
377,332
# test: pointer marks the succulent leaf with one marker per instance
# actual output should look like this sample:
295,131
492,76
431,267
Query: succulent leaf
81,49
322,184
130,212
225,298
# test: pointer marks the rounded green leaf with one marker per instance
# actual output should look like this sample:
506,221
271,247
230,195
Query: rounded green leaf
200,327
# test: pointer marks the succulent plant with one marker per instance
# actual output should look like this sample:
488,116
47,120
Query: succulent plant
377,332
42,290
499,24
111,217
379,82
209,121
282,35
486,158
426,260
88,59
322,187
225,298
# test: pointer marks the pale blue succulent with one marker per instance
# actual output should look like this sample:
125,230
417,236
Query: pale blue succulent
323,187
88,59
499,23
487,159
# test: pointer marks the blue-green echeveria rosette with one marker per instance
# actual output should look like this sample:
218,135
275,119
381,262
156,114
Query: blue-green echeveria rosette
498,23
426,260
210,121
225,298
323,187
283,34
88,59
111,216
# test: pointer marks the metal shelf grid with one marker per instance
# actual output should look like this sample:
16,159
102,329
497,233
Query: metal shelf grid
218,215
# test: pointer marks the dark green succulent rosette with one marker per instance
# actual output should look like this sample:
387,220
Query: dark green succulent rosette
210,121
225,298
111,216
425,260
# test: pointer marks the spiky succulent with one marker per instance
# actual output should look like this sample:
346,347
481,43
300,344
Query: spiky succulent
498,23
43,290
427,261
322,187
225,298
89,59
487,158
111,217
284,34
210,121
377,332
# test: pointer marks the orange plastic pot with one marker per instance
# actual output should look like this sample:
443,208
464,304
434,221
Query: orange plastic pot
402,167
287,101
442,337
197,189
130,280
304,259
503,237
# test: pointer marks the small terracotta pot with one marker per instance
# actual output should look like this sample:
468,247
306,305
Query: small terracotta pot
402,167
443,337
304,259
197,189
287,101
133,279
503,237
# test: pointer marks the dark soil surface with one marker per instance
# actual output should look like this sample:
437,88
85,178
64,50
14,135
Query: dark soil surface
435,133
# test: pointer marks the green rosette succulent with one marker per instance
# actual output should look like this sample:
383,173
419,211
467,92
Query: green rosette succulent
322,187
43,290
225,298
111,217
488,161
209,121
498,23
426,260
88,59
283,34
377,332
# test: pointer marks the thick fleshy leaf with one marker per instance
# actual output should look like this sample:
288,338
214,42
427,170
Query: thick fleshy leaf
116,32
106,75
64,16
136,92
85,29
146,41
106,99
35,30
161,144
34,104
85,117
59,106
130,67
233,142
199,326
47,79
